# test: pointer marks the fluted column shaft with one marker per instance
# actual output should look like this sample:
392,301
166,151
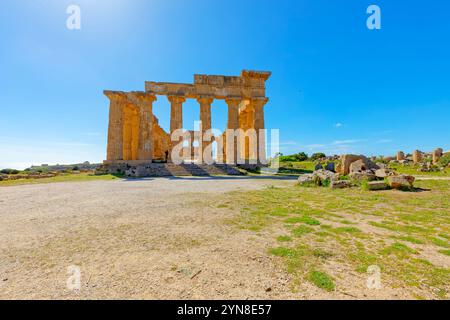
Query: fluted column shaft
144,103
259,127
232,124
205,118
115,128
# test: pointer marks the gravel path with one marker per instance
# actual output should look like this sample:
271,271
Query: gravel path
151,238
165,238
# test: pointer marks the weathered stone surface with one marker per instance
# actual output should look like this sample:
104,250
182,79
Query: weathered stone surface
360,176
306,179
326,175
376,185
381,165
357,166
401,181
437,154
405,161
330,167
348,159
340,184
417,156
400,155
383,173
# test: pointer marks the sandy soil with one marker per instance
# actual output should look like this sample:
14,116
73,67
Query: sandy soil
150,239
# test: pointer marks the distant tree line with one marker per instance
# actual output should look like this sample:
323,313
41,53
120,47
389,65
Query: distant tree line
301,156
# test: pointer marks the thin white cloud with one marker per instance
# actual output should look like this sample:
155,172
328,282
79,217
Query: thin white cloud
338,125
349,141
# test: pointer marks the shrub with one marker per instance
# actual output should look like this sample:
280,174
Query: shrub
301,156
445,160
9,171
317,156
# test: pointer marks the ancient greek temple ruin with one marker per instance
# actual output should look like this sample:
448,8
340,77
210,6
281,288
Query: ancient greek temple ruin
135,137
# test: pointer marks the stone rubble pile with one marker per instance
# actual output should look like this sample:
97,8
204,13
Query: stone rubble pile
355,170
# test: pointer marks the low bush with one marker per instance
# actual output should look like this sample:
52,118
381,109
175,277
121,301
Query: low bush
9,171
445,160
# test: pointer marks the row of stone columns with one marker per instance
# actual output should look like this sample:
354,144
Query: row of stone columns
123,109
120,124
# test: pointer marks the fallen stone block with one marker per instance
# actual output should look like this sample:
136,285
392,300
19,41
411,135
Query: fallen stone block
401,181
360,176
376,185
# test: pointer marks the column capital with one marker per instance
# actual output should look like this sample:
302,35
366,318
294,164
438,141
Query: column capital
115,95
205,99
141,98
176,98
259,102
233,101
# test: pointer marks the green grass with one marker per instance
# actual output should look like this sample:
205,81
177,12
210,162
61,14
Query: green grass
296,168
61,178
321,280
304,219
412,169
302,230
284,239
314,220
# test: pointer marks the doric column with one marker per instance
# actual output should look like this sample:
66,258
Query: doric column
232,124
205,118
115,128
176,118
144,102
259,127
176,112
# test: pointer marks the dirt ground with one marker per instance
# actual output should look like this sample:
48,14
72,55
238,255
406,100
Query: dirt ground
144,239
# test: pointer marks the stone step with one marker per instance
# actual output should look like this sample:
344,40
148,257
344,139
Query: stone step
170,169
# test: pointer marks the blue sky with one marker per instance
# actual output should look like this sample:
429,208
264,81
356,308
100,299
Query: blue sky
336,85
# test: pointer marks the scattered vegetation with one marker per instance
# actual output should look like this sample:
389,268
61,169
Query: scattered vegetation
445,160
61,178
321,280
355,229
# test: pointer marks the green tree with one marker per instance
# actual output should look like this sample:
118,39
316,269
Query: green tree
317,155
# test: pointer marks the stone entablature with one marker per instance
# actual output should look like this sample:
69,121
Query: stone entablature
251,84
135,136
